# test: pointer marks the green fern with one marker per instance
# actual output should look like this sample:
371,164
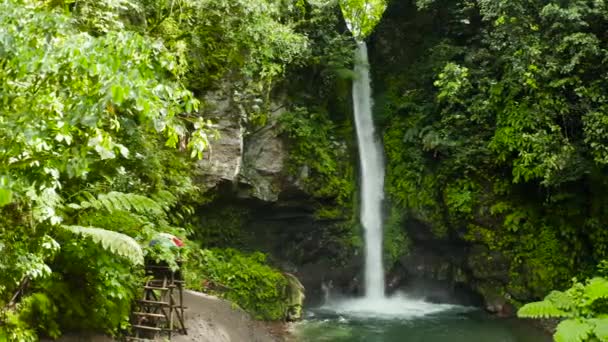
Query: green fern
585,320
117,243
165,199
601,329
573,331
543,309
596,288
562,300
119,201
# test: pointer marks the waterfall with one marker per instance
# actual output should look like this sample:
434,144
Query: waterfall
375,303
372,175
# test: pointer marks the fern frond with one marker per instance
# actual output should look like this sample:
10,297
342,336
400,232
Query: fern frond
114,242
573,331
543,309
136,203
601,328
119,201
165,198
561,300
596,288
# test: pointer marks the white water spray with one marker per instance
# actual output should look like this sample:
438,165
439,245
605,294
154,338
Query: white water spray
372,175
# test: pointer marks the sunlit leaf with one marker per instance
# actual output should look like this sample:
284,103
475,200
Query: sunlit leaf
6,196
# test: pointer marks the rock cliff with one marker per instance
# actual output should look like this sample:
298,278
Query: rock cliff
261,202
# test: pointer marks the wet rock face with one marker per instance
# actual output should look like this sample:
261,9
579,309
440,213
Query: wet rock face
495,301
255,162
451,269
249,177
264,160
224,158
301,244
486,264
435,268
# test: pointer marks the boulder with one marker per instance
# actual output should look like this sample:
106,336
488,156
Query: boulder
295,298
496,299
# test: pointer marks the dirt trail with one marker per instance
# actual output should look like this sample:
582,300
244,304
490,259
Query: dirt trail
208,319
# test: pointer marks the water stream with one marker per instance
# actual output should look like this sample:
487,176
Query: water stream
374,303
372,175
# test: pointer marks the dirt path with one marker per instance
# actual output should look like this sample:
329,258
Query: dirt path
208,319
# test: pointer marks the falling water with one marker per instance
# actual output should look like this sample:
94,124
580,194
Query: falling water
372,175
375,305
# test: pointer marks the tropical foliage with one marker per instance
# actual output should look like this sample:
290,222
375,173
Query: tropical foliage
246,280
362,15
320,153
103,111
494,116
583,308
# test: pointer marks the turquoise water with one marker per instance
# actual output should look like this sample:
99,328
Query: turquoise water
425,323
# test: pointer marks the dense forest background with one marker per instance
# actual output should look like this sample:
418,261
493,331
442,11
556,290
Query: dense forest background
495,129
495,135
491,113
103,121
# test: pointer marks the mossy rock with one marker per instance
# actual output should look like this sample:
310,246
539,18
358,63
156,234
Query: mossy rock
294,298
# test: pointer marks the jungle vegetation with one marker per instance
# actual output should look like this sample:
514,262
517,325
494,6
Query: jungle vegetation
102,118
493,124
495,133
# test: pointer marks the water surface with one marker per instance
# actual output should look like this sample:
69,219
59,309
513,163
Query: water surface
407,320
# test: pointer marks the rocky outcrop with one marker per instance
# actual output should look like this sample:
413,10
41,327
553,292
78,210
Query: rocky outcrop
249,176
225,156
295,298
434,268
264,160
289,232
254,163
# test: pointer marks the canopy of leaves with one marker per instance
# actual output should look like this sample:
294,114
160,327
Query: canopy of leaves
362,15
100,103
494,115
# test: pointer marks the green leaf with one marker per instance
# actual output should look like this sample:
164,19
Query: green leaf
601,329
116,243
76,206
118,201
596,288
6,197
362,15
561,300
573,331
543,309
